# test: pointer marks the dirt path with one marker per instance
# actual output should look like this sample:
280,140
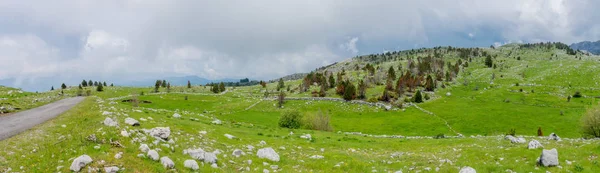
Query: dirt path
16,123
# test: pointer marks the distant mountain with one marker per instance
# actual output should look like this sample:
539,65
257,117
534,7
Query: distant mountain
592,47
44,84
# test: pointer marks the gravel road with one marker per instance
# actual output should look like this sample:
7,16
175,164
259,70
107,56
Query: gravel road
16,123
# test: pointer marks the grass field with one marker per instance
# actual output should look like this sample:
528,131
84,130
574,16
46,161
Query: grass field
524,95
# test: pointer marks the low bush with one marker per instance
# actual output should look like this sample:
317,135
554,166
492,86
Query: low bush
591,123
290,119
577,95
318,121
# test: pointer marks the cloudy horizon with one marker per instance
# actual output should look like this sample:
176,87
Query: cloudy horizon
123,40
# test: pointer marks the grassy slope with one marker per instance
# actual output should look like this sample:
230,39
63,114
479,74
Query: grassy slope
471,112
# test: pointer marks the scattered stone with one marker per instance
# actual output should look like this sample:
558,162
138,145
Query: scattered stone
467,169
191,164
63,126
80,162
265,171
107,113
548,158
210,157
317,157
161,132
274,167
217,122
263,143
268,153
153,155
249,162
112,169
534,144
176,115
250,147
143,119
119,155
144,148
197,154
553,136
124,133
166,162
515,140
229,136
237,153
306,136
448,94
132,122
97,147
110,122
214,165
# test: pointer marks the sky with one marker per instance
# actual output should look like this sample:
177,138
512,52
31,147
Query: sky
120,40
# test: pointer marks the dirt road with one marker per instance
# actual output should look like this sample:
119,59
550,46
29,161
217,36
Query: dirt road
16,123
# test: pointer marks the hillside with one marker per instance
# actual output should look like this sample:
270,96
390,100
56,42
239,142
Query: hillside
592,47
474,97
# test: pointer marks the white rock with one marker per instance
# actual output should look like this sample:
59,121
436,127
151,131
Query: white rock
144,148
265,171
263,143
467,169
112,169
237,153
548,158
110,122
554,137
107,113
153,155
515,140
250,147
119,155
132,122
306,136
124,133
274,167
210,157
161,132
317,157
80,162
197,154
63,126
166,162
176,115
534,144
217,122
268,153
229,136
448,94
192,164
214,165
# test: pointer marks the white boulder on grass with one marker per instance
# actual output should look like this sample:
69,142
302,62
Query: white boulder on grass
210,157
110,122
144,148
112,169
161,132
166,162
534,144
553,136
467,169
152,154
306,136
217,122
317,157
124,133
268,153
80,162
132,122
229,136
548,158
197,154
176,115
191,164
237,153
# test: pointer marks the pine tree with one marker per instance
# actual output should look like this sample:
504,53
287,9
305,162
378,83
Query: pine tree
349,91
52,88
418,98
63,86
430,84
391,73
189,85
221,87
95,83
111,84
169,87
90,83
331,81
80,86
100,88
281,84
164,83
84,83
488,61
104,83
362,89
157,85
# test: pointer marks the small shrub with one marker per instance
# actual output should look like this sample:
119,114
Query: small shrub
578,168
141,93
439,136
539,132
426,97
134,101
290,119
577,94
517,84
319,121
186,98
88,92
591,123
260,134
511,132
80,92
418,98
